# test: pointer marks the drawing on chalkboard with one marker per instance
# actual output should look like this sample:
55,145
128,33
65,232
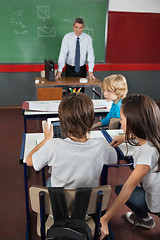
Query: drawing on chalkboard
43,12
46,32
89,31
68,20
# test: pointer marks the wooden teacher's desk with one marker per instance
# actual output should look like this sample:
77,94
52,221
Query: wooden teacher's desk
46,88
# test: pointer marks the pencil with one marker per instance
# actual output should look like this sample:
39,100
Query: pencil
79,89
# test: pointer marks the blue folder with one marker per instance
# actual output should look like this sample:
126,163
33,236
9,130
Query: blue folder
109,139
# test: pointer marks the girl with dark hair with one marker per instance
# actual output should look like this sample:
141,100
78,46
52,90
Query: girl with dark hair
75,161
140,120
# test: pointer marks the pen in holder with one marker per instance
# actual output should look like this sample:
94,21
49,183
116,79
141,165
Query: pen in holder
74,90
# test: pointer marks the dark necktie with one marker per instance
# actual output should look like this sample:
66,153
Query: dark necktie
77,56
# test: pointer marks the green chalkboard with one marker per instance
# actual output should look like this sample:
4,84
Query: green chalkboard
32,30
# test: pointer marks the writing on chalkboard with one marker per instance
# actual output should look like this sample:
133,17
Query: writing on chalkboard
19,28
16,20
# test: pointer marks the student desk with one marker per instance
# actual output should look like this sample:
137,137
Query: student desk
124,152
41,114
29,142
73,82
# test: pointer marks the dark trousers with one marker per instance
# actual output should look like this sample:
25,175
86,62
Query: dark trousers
137,202
70,72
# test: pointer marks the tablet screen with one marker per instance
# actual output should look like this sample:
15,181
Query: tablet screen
56,127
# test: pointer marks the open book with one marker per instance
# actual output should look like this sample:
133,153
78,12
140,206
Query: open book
101,103
52,106
47,106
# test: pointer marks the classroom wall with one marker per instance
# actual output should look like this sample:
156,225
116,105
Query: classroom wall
20,87
133,32
142,82
132,48
152,6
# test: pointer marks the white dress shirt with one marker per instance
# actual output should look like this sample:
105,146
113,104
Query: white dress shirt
67,52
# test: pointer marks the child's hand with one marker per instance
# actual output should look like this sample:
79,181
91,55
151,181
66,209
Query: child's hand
104,228
87,135
117,140
48,131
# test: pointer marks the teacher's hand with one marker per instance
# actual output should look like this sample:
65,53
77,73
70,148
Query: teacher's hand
91,76
58,75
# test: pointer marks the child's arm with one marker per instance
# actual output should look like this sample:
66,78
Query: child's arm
117,140
48,134
96,125
138,173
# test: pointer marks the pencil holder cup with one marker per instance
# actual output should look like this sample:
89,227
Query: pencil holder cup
43,73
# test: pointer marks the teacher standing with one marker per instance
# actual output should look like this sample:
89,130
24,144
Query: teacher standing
76,47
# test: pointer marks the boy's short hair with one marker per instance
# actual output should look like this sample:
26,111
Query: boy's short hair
76,113
116,83
78,20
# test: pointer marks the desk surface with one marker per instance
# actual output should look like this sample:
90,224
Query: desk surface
31,138
126,148
30,142
43,82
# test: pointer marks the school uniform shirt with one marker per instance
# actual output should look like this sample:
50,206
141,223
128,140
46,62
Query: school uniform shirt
68,48
113,113
148,155
74,164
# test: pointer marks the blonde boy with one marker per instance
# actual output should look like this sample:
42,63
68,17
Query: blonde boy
115,89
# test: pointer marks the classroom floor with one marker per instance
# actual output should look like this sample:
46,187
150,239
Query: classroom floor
12,201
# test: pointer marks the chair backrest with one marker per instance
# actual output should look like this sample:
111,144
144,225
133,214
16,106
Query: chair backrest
113,123
70,195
